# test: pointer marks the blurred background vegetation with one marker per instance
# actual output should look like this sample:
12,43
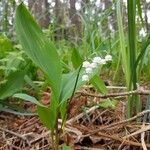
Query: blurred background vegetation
79,28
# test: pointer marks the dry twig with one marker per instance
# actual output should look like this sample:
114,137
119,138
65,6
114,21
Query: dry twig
143,129
82,114
142,138
16,134
118,123
87,148
139,92
122,140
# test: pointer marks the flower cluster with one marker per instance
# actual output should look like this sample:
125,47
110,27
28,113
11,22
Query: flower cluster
94,64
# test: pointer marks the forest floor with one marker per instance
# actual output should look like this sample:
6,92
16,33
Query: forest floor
88,127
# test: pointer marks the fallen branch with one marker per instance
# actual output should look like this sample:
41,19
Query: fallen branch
108,87
122,140
82,114
139,92
143,129
118,123
142,138
87,148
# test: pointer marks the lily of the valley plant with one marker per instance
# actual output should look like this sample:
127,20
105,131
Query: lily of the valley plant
43,53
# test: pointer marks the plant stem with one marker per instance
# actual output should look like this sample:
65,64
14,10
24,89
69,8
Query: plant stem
56,134
52,139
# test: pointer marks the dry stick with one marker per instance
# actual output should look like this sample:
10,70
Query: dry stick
140,92
67,129
145,128
87,148
118,123
142,138
116,87
14,147
122,140
16,134
108,87
82,114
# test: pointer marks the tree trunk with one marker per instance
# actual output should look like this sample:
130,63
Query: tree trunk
146,8
77,28
5,16
59,19
40,10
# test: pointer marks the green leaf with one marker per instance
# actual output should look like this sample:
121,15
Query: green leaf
68,83
31,83
132,41
145,44
123,51
76,58
109,104
134,105
5,46
48,115
69,80
28,98
139,8
65,147
99,84
7,110
63,111
13,84
36,45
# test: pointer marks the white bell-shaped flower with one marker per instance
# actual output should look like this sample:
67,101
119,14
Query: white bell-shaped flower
97,60
108,57
85,78
89,70
102,62
93,65
86,64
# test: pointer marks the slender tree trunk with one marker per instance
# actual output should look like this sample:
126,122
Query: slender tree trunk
5,16
59,19
105,23
146,8
40,10
45,19
77,29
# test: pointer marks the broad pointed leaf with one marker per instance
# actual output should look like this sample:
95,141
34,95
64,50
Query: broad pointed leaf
38,47
28,98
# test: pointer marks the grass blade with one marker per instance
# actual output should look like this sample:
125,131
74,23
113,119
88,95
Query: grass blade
124,53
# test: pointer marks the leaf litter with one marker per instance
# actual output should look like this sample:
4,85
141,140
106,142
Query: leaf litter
88,126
